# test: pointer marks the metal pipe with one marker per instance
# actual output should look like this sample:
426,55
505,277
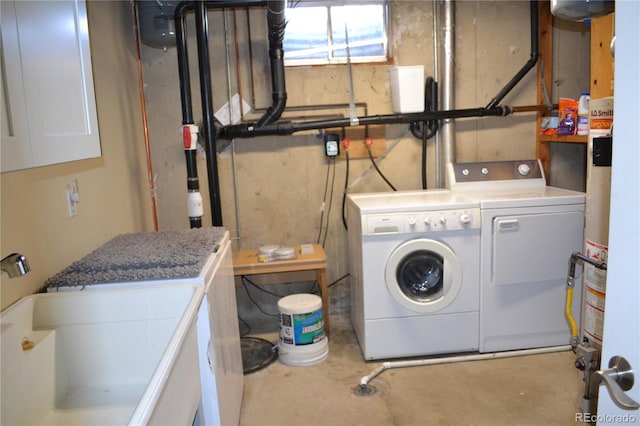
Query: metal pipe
447,128
530,63
365,380
436,77
145,127
575,256
234,170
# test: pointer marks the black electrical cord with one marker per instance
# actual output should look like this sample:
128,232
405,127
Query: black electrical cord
344,192
327,188
244,284
333,180
246,324
378,170
324,199
419,128
338,280
246,280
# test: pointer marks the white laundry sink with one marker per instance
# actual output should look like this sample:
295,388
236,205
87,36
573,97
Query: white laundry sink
122,356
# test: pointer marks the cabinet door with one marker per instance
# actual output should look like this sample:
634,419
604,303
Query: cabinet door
57,80
16,152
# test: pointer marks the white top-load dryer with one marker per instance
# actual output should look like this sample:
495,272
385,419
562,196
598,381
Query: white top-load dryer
528,233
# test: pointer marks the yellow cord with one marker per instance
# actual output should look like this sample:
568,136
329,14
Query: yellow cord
569,314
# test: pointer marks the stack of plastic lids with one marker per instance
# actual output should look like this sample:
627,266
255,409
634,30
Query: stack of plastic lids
284,253
268,253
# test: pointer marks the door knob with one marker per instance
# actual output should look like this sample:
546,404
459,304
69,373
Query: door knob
618,378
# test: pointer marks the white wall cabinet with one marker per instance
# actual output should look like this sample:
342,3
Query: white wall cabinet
48,101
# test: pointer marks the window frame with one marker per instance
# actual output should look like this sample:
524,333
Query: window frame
332,60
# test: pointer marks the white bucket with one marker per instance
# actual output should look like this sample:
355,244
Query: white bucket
302,338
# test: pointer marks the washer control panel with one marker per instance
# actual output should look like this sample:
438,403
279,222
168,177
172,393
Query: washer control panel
421,221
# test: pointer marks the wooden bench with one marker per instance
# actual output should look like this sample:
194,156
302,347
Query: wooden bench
245,262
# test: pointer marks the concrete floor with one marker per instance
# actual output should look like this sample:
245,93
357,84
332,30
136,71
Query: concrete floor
531,390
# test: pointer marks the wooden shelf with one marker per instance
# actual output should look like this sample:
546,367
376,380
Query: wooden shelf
601,73
569,139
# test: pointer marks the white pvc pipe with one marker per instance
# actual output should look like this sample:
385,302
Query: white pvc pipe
365,380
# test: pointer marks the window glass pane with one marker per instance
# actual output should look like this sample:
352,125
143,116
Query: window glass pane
316,34
306,33
365,30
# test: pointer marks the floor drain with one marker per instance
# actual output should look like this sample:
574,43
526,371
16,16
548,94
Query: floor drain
257,353
364,390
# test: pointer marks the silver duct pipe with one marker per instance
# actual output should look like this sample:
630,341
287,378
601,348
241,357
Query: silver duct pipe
447,127
436,77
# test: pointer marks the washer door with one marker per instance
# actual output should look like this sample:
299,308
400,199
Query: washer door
423,275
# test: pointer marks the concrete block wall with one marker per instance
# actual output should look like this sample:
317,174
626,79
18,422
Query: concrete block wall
280,180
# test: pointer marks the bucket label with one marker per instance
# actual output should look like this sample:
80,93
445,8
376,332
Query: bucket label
302,329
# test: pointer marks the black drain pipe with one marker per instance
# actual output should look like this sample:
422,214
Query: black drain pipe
275,16
268,124
202,36
194,199
276,24
250,130
530,63
283,128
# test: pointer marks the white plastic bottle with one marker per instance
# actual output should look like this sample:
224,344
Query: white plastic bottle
583,115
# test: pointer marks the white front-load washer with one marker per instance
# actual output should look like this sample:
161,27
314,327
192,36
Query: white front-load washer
414,270
529,232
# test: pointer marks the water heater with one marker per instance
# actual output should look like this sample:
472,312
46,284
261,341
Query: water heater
579,10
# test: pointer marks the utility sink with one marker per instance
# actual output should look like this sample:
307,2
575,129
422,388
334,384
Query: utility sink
125,356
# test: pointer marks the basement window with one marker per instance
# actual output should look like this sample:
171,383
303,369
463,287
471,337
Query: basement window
325,33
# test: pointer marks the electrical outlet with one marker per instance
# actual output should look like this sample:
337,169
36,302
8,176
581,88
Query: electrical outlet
331,144
71,204
73,198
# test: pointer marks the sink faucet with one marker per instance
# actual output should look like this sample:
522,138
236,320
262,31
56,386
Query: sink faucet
16,265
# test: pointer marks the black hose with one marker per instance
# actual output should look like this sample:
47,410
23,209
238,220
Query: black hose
424,156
